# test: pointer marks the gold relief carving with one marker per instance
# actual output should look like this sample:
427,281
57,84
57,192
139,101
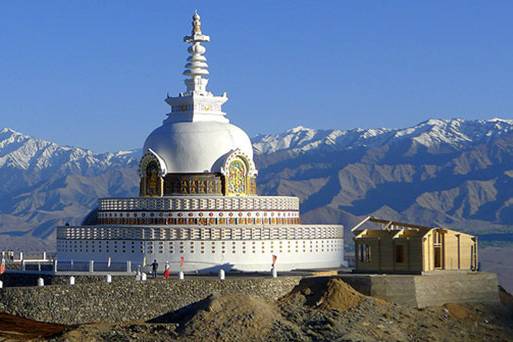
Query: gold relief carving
183,186
203,186
153,180
192,184
252,186
237,178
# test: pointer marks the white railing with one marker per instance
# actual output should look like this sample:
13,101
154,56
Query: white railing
134,232
191,203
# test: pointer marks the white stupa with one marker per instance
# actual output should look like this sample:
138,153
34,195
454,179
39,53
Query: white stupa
198,208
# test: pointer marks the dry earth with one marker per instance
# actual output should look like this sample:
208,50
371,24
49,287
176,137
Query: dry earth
319,309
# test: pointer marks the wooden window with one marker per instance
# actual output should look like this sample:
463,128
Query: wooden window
438,256
437,237
364,254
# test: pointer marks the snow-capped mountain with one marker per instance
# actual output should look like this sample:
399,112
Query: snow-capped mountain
449,172
43,184
20,151
432,133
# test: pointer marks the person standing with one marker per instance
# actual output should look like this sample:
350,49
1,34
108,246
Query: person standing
167,272
154,268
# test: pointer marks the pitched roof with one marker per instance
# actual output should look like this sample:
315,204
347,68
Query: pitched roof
395,228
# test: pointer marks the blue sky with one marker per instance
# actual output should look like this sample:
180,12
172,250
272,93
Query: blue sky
95,73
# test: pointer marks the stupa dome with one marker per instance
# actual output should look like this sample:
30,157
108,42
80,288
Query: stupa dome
197,150
197,147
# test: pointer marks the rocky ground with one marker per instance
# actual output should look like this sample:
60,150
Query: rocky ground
319,309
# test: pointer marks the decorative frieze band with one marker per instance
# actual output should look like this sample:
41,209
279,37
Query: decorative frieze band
284,232
201,203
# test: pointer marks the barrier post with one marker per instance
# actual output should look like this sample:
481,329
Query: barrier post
181,276
221,274
91,266
129,266
109,278
40,282
72,280
55,265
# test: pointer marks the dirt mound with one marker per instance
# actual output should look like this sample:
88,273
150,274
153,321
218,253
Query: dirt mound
317,309
461,312
339,295
230,317
325,293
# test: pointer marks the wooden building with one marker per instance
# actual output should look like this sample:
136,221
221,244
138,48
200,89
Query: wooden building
396,247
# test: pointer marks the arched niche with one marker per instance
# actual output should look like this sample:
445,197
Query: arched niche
152,170
239,175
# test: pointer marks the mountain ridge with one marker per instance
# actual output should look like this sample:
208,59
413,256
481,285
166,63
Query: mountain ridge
448,172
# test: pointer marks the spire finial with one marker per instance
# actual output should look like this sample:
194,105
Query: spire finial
197,103
196,67
196,23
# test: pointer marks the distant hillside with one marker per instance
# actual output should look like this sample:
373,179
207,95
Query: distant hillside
43,184
451,172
